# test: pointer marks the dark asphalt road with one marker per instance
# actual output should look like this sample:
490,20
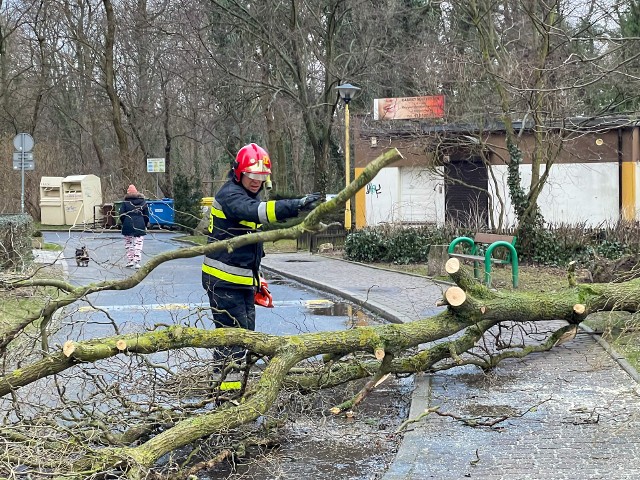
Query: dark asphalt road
172,293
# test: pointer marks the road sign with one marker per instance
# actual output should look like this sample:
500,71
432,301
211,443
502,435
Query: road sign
23,160
23,142
155,165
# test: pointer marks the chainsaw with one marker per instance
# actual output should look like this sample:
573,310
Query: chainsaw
263,295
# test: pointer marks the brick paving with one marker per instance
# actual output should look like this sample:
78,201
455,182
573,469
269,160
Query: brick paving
572,413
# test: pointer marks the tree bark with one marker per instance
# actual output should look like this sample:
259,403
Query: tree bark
128,169
459,335
472,310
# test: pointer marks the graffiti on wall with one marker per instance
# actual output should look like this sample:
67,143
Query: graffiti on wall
373,188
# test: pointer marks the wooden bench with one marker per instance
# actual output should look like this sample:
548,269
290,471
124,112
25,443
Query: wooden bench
490,242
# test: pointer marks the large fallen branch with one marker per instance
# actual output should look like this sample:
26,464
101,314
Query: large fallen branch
466,332
472,311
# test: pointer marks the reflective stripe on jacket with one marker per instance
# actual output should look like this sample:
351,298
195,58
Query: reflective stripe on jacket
236,211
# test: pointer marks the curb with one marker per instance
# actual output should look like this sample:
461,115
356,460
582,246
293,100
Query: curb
50,257
385,269
380,310
624,364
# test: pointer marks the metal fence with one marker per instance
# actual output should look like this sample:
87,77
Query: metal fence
311,241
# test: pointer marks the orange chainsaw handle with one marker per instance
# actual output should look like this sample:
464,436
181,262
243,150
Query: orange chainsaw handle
263,295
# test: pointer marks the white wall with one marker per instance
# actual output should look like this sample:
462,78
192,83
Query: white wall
421,196
574,193
380,196
405,194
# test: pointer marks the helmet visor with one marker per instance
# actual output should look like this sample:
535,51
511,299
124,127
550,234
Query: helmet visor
256,176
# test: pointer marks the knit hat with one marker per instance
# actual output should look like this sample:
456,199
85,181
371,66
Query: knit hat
132,189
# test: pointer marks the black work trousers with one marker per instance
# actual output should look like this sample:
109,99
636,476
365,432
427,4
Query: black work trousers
235,308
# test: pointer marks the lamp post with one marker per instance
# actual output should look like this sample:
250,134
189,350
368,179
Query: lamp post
347,92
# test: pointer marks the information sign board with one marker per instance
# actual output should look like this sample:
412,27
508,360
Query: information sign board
408,108
155,165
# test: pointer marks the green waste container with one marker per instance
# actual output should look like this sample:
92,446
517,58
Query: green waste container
116,213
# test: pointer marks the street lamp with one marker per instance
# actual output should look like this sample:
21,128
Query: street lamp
347,92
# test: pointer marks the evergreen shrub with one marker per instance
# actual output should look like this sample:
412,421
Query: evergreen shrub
366,245
187,197
556,245
392,244
560,244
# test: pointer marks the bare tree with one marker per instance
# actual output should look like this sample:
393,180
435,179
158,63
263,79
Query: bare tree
104,85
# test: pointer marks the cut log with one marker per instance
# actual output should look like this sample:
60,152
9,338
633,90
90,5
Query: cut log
68,348
455,296
452,266
464,278
580,312
579,308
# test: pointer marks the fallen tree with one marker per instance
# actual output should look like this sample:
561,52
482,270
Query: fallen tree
147,395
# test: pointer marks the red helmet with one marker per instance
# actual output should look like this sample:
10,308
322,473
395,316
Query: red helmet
253,161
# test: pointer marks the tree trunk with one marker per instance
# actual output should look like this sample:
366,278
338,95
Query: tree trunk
126,162
472,310
473,319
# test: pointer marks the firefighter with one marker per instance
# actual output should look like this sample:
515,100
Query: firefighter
232,278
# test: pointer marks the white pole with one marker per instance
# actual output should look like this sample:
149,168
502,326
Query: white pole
22,168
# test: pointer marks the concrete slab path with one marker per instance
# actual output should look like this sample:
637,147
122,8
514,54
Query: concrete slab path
572,413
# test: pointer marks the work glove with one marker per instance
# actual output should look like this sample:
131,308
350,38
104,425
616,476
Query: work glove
309,201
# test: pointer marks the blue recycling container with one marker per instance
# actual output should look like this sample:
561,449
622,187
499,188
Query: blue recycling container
161,212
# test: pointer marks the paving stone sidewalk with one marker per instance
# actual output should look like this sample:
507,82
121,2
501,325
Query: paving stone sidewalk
572,413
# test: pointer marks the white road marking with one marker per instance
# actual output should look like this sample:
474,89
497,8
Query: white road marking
311,304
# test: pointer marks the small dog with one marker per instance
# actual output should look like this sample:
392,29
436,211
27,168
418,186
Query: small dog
82,256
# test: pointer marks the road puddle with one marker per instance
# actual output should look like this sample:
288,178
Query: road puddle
357,316
329,305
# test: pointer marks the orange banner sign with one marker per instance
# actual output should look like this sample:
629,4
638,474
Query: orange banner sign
408,107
